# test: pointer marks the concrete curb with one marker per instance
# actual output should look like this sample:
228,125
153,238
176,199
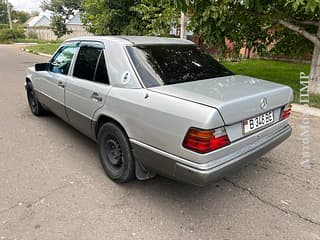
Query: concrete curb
37,53
44,54
312,111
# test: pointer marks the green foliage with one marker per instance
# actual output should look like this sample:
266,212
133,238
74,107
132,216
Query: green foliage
135,17
104,17
3,13
291,44
253,23
20,16
307,5
8,35
62,10
58,26
4,25
157,17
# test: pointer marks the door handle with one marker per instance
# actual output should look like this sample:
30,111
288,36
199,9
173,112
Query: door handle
61,84
95,97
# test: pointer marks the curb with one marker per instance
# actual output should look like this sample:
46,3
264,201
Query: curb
312,111
44,54
36,53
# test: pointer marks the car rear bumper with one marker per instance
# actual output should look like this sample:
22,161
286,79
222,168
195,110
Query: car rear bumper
201,174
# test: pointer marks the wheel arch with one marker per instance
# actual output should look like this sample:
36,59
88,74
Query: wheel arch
102,119
28,80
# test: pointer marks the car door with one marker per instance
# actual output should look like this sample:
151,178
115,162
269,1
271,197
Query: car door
52,82
86,91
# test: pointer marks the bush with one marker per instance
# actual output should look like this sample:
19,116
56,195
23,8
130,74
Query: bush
8,35
2,26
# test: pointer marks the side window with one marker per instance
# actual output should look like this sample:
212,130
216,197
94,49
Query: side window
62,60
101,75
85,65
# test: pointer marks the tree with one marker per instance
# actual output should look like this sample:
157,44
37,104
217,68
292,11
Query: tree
157,16
273,21
62,11
20,16
135,17
3,13
103,17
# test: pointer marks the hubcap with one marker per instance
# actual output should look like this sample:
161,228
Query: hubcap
113,152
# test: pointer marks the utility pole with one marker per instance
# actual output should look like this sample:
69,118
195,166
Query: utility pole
183,26
9,14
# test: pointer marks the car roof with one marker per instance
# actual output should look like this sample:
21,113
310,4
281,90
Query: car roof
132,40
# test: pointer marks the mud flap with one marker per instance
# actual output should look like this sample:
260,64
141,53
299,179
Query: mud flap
142,173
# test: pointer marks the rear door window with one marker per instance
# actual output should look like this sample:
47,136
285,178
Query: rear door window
90,64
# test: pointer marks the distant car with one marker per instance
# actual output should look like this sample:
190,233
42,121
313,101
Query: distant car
160,106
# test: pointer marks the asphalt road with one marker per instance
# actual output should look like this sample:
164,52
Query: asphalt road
53,187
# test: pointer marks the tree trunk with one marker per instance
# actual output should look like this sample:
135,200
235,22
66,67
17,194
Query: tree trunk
315,68
248,53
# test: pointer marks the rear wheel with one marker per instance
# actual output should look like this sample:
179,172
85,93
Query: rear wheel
115,153
34,104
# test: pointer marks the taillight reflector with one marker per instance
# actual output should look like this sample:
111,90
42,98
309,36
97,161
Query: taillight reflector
204,141
286,112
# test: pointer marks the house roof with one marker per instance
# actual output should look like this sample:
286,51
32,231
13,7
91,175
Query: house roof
43,19
75,19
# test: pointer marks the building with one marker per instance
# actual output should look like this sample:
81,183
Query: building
39,26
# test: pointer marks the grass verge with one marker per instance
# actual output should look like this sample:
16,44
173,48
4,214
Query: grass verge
48,48
275,71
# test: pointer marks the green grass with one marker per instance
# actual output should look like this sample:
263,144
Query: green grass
275,71
34,40
48,48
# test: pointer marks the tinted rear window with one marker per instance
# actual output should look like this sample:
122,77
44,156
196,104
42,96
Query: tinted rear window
160,65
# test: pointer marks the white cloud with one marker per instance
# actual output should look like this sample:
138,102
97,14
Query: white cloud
26,5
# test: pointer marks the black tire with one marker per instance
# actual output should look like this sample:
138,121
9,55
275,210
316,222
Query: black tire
34,104
115,153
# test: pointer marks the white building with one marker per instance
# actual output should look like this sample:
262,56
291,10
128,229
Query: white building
39,26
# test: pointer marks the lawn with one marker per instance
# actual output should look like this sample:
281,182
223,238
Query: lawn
275,71
48,48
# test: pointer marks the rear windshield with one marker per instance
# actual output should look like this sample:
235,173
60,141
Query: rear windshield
160,65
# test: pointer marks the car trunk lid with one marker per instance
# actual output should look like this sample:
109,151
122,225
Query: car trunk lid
236,97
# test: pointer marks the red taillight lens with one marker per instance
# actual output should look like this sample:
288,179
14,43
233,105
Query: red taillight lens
286,112
204,141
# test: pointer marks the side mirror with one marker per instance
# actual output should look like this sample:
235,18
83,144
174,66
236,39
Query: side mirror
42,67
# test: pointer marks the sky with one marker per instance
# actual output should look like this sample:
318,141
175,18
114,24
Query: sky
26,5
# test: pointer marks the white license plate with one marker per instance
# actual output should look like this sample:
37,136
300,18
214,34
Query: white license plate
257,122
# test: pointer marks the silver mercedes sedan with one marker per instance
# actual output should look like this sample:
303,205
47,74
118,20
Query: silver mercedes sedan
160,106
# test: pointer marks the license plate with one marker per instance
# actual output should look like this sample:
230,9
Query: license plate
257,122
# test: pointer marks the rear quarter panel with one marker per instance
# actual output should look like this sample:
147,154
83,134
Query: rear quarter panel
158,120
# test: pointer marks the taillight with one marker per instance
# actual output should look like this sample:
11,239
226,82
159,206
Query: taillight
204,141
286,112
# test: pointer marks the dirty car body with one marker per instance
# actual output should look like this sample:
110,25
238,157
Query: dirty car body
183,114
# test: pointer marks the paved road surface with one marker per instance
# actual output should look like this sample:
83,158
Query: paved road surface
53,187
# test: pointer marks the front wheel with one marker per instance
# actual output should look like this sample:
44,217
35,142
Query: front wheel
115,153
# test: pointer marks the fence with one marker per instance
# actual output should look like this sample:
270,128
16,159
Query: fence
45,33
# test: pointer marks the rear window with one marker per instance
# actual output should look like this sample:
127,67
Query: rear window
160,65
